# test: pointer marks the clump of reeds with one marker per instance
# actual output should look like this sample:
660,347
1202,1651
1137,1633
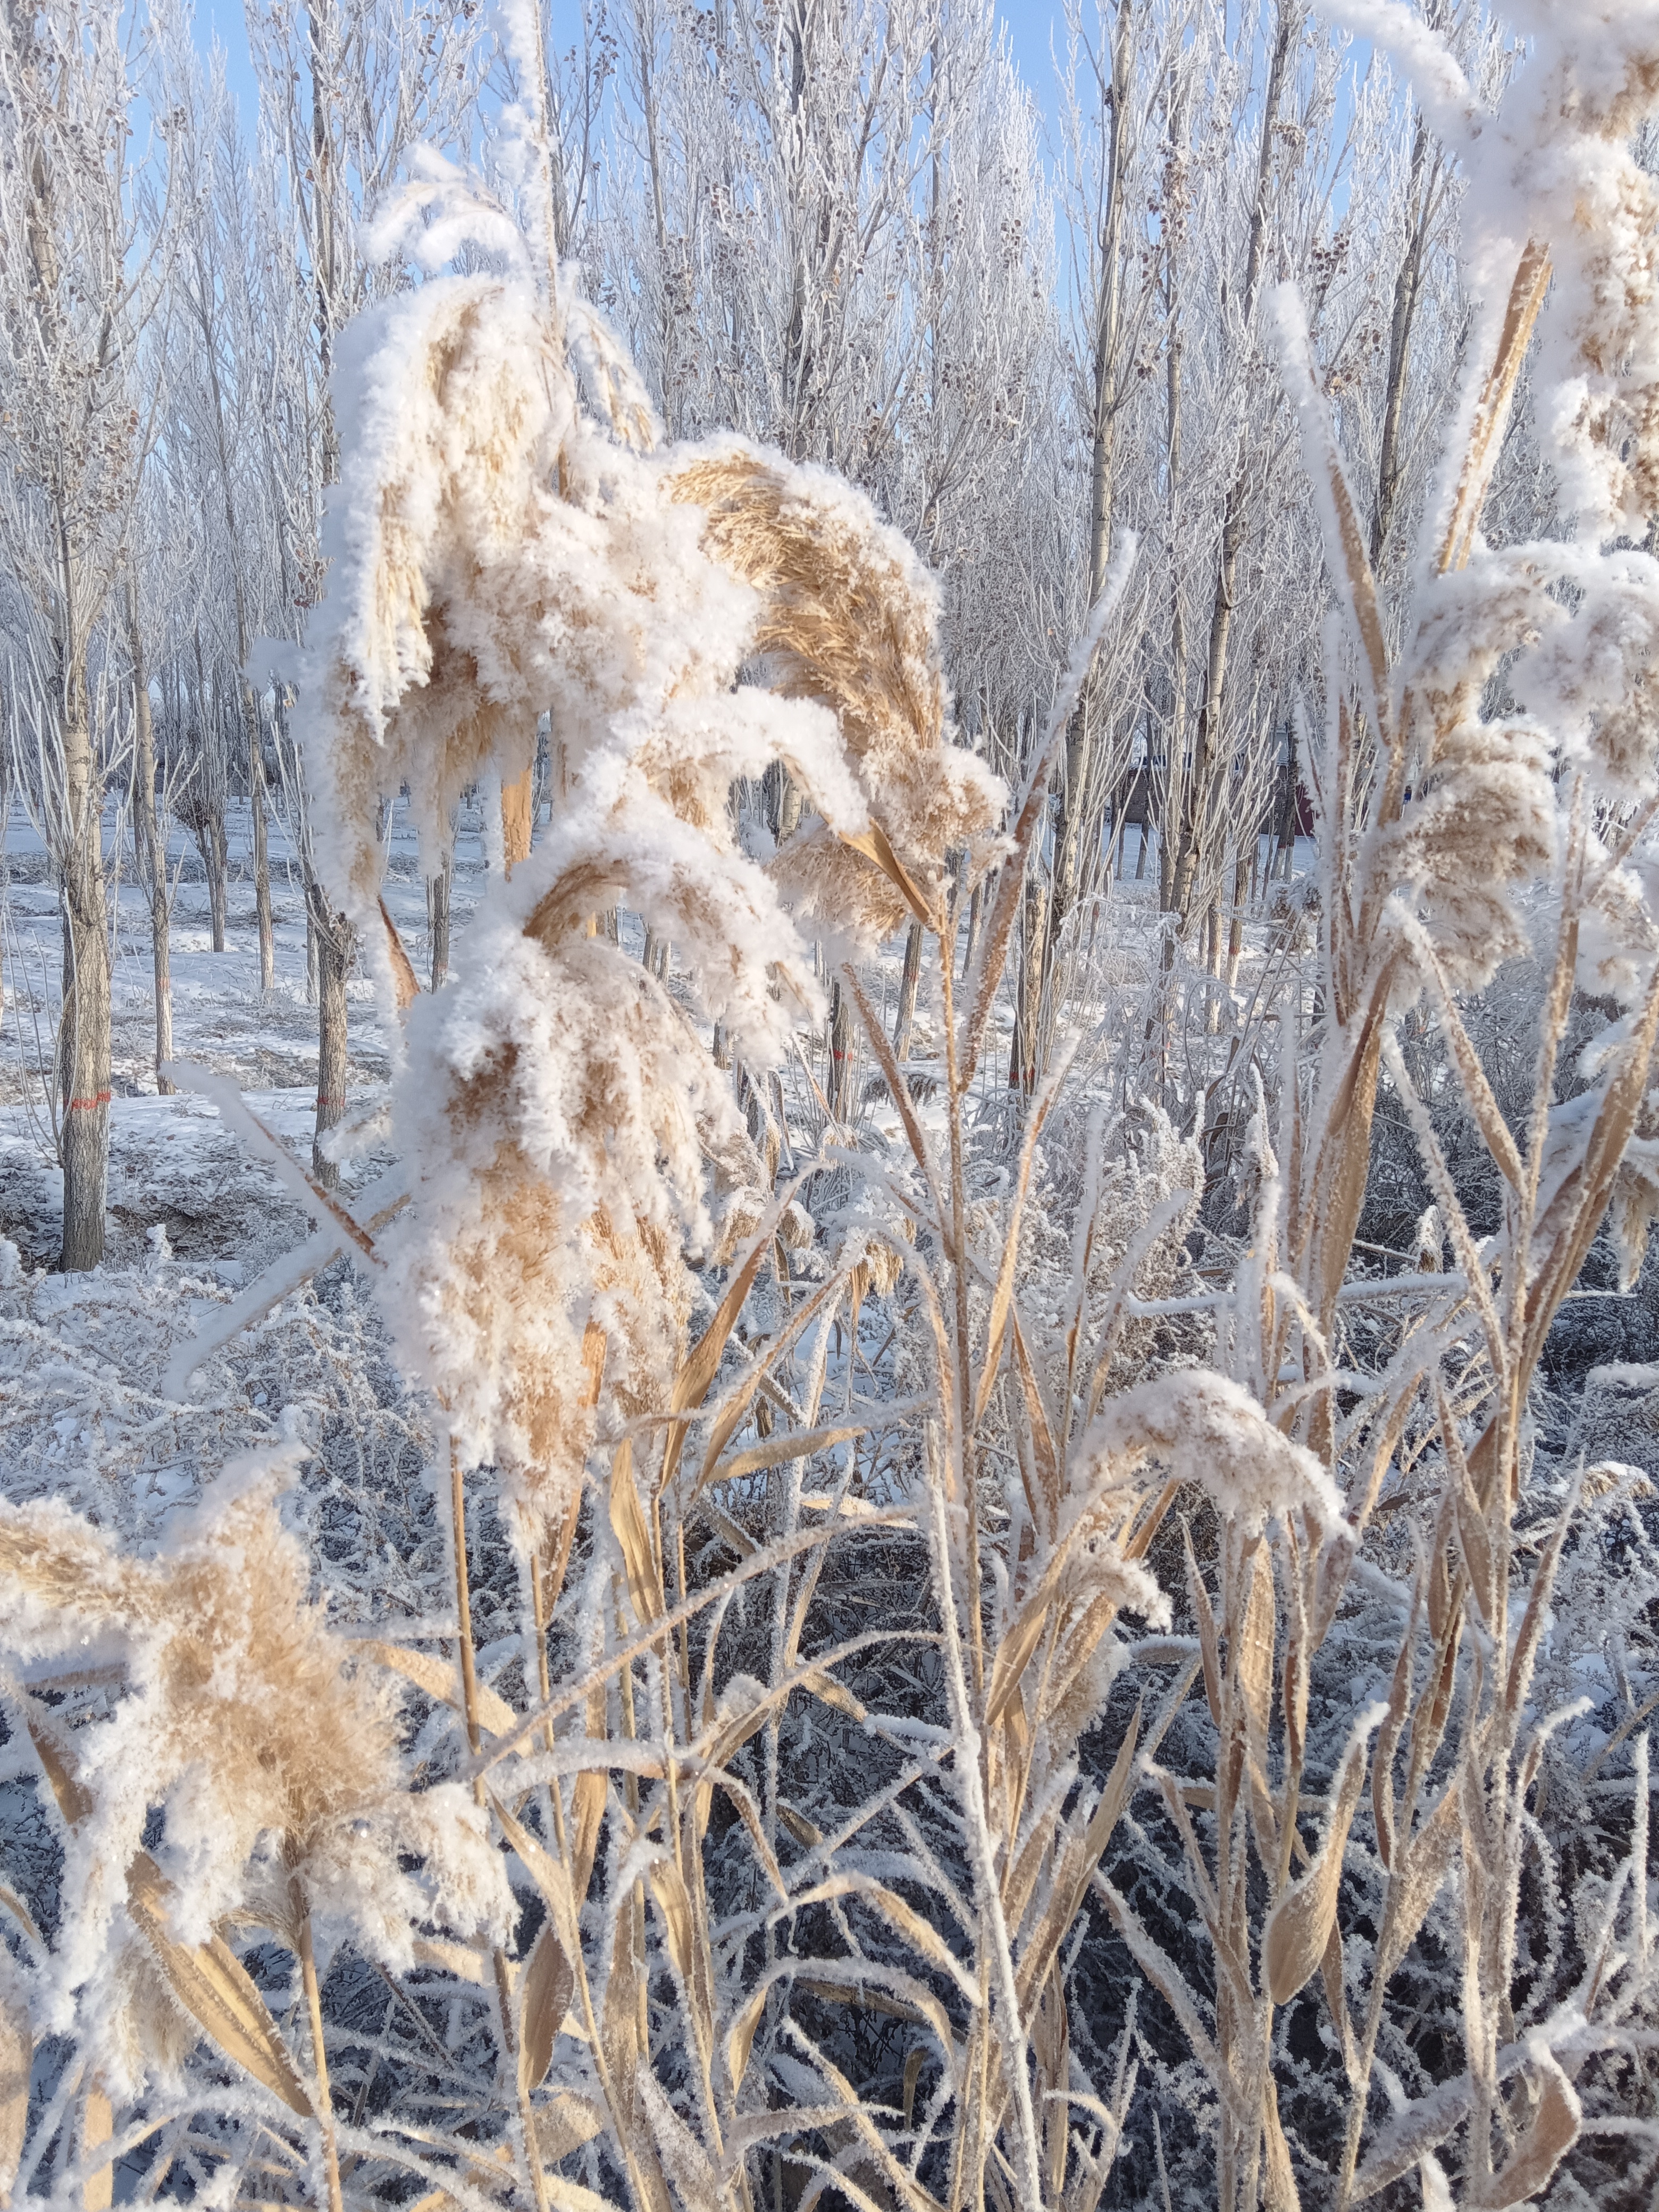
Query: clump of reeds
787,1770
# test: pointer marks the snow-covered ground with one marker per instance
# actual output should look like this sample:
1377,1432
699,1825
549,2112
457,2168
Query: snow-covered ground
193,1217
171,1162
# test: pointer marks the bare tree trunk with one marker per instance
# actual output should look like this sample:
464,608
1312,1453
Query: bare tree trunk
249,704
83,1040
841,1055
205,802
782,803
256,799
1243,868
437,915
215,859
1286,853
1212,965
906,999
1407,291
975,909
151,847
1028,1003
1172,798
332,935
1235,515
517,811
1074,776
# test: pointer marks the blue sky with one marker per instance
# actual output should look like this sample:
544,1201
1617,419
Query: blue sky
1031,25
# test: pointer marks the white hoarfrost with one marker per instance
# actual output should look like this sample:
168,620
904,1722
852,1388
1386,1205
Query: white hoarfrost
501,555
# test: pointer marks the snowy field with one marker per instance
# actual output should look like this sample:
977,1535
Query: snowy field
171,1163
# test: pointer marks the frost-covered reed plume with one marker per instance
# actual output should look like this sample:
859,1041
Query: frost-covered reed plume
503,553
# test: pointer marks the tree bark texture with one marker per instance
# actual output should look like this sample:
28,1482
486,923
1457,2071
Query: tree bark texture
152,854
517,812
437,912
1207,746
1028,1004
256,799
83,1042
1407,291
905,1019
1073,777
332,934
841,1056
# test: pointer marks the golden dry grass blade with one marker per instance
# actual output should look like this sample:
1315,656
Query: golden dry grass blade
743,1396
1002,1297
74,1799
565,2123
1279,2190
795,1443
798,1826
1532,279
215,1990
543,1869
20,1913
1400,1690
1044,1451
854,1991
518,797
570,2195
824,1686
1477,1090
1024,1634
464,1960
16,2059
740,2036
97,2126
1615,1124
1208,1643
1344,1160
403,982
872,843
628,1524
913,2066
920,1935
1077,1869
1255,1645
1552,2134
898,1089
549,1983
673,1902
441,1681
1301,1923
1533,1620
702,1362
1140,1541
